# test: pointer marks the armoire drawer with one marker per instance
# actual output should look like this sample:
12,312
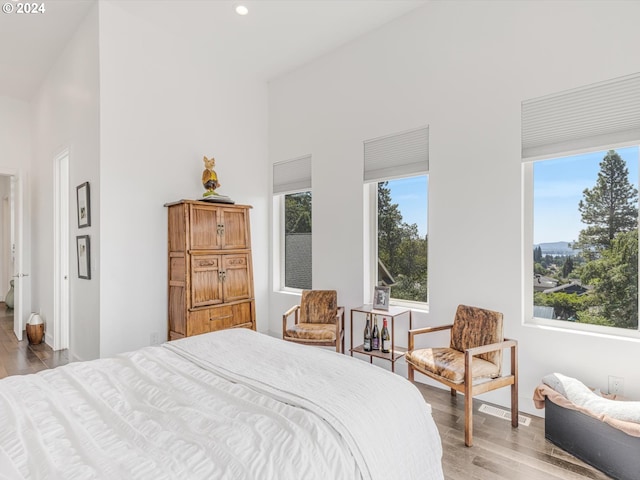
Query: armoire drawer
218,318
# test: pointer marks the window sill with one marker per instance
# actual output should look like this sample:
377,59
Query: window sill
413,306
609,333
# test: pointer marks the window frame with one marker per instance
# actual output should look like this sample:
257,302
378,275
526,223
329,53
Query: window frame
528,264
371,192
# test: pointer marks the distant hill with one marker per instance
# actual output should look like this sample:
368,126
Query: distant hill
556,248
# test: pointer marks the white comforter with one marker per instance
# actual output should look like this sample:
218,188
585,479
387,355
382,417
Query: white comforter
233,404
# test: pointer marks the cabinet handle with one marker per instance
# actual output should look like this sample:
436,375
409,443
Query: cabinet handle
222,275
220,229
212,319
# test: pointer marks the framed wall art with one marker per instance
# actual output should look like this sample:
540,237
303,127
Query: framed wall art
381,298
84,205
84,256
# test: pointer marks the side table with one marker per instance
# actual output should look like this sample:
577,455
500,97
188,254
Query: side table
395,352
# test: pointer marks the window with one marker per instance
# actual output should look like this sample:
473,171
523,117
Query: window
292,227
581,244
585,238
297,240
396,166
402,243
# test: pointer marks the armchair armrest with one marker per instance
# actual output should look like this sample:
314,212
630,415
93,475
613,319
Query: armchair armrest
340,317
295,309
492,347
420,331
469,353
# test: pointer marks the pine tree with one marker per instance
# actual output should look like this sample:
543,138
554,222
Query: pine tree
609,207
537,254
567,268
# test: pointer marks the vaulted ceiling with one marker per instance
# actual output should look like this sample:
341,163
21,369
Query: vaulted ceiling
275,37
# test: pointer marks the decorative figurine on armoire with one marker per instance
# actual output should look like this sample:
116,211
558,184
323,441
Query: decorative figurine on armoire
210,183
210,177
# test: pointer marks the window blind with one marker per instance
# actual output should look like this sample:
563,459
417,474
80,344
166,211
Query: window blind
597,115
397,155
292,175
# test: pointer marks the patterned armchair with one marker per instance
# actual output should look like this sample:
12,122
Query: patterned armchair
318,320
472,364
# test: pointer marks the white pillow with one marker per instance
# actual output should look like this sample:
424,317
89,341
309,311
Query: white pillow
579,394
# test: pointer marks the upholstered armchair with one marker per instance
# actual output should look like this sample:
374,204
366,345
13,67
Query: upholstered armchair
472,364
318,320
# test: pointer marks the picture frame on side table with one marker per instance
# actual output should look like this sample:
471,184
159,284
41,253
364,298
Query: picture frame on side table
84,256
84,205
381,297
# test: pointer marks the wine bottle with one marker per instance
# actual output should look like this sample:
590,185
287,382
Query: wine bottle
386,338
375,340
367,335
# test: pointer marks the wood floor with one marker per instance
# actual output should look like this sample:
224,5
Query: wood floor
20,358
499,452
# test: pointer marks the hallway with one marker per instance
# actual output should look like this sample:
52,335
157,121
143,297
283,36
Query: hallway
20,358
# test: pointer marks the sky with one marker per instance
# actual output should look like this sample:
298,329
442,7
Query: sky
411,196
558,185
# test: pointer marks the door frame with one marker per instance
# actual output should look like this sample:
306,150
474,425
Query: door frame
61,249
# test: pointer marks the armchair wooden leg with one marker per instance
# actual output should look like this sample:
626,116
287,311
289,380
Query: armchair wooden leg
468,417
514,406
410,372
468,399
514,387
454,392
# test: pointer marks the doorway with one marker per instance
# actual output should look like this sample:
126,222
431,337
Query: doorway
15,253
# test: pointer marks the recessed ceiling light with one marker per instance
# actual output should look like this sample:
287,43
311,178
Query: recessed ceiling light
242,10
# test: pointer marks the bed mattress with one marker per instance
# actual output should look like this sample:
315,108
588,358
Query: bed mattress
233,404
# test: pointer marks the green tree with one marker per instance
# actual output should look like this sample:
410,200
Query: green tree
567,267
566,305
298,212
537,254
614,277
390,231
608,208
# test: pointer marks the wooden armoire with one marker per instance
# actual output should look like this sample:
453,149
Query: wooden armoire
210,268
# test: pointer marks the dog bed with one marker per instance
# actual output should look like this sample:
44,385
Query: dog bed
600,430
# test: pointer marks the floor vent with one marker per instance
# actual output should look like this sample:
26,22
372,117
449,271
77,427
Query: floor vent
501,413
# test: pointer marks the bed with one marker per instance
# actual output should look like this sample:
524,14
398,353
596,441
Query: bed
596,428
233,404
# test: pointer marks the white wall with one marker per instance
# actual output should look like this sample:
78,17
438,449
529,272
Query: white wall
65,112
166,102
463,68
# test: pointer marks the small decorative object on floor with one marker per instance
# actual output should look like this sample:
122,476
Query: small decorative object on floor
8,299
35,329
210,183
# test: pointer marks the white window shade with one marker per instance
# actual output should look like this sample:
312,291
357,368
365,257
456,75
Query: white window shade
397,155
292,175
598,115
